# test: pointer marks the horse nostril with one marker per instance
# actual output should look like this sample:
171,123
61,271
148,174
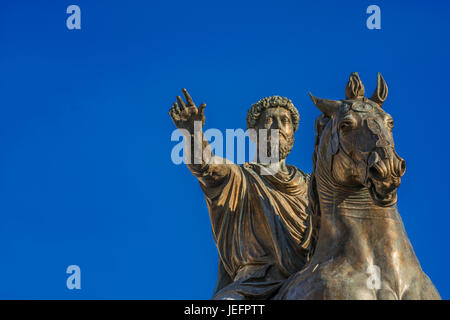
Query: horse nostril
402,167
375,172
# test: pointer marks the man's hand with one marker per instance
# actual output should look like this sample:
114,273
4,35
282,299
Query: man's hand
185,115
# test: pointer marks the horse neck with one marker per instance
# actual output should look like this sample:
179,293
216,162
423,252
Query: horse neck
351,225
334,196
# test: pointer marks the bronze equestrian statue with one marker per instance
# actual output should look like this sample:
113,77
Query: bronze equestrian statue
362,250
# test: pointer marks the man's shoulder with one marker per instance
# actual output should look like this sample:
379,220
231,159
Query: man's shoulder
306,176
258,168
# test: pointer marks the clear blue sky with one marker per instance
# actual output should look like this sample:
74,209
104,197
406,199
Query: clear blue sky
85,171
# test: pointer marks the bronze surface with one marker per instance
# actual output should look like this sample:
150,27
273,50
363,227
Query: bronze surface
353,198
258,221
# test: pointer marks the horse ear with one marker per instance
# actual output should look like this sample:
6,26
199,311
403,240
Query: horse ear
355,88
381,91
328,107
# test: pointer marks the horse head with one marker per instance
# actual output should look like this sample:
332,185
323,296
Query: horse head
357,142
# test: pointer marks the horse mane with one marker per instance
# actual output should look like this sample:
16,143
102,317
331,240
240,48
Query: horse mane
313,208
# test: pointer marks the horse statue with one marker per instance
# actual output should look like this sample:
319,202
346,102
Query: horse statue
361,248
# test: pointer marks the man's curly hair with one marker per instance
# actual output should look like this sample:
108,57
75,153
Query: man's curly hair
271,102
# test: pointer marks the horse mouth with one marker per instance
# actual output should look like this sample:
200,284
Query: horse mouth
384,199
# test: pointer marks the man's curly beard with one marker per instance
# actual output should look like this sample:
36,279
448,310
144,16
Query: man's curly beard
285,146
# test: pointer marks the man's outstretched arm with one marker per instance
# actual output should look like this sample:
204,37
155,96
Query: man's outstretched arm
190,120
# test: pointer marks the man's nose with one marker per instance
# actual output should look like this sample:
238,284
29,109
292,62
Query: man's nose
276,124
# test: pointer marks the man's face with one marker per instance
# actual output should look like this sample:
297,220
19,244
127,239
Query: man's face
278,118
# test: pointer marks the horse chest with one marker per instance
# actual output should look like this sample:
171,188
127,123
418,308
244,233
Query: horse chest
339,278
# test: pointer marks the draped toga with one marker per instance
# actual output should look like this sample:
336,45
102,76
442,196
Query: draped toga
259,224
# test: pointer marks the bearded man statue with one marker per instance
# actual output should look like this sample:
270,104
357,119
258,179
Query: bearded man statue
258,216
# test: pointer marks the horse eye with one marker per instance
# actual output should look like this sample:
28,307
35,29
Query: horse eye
346,125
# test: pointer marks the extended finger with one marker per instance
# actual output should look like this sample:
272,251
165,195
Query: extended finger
181,103
175,108
174,115
201,108
188,98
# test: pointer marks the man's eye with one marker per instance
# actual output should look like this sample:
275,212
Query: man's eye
285,120
390,124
